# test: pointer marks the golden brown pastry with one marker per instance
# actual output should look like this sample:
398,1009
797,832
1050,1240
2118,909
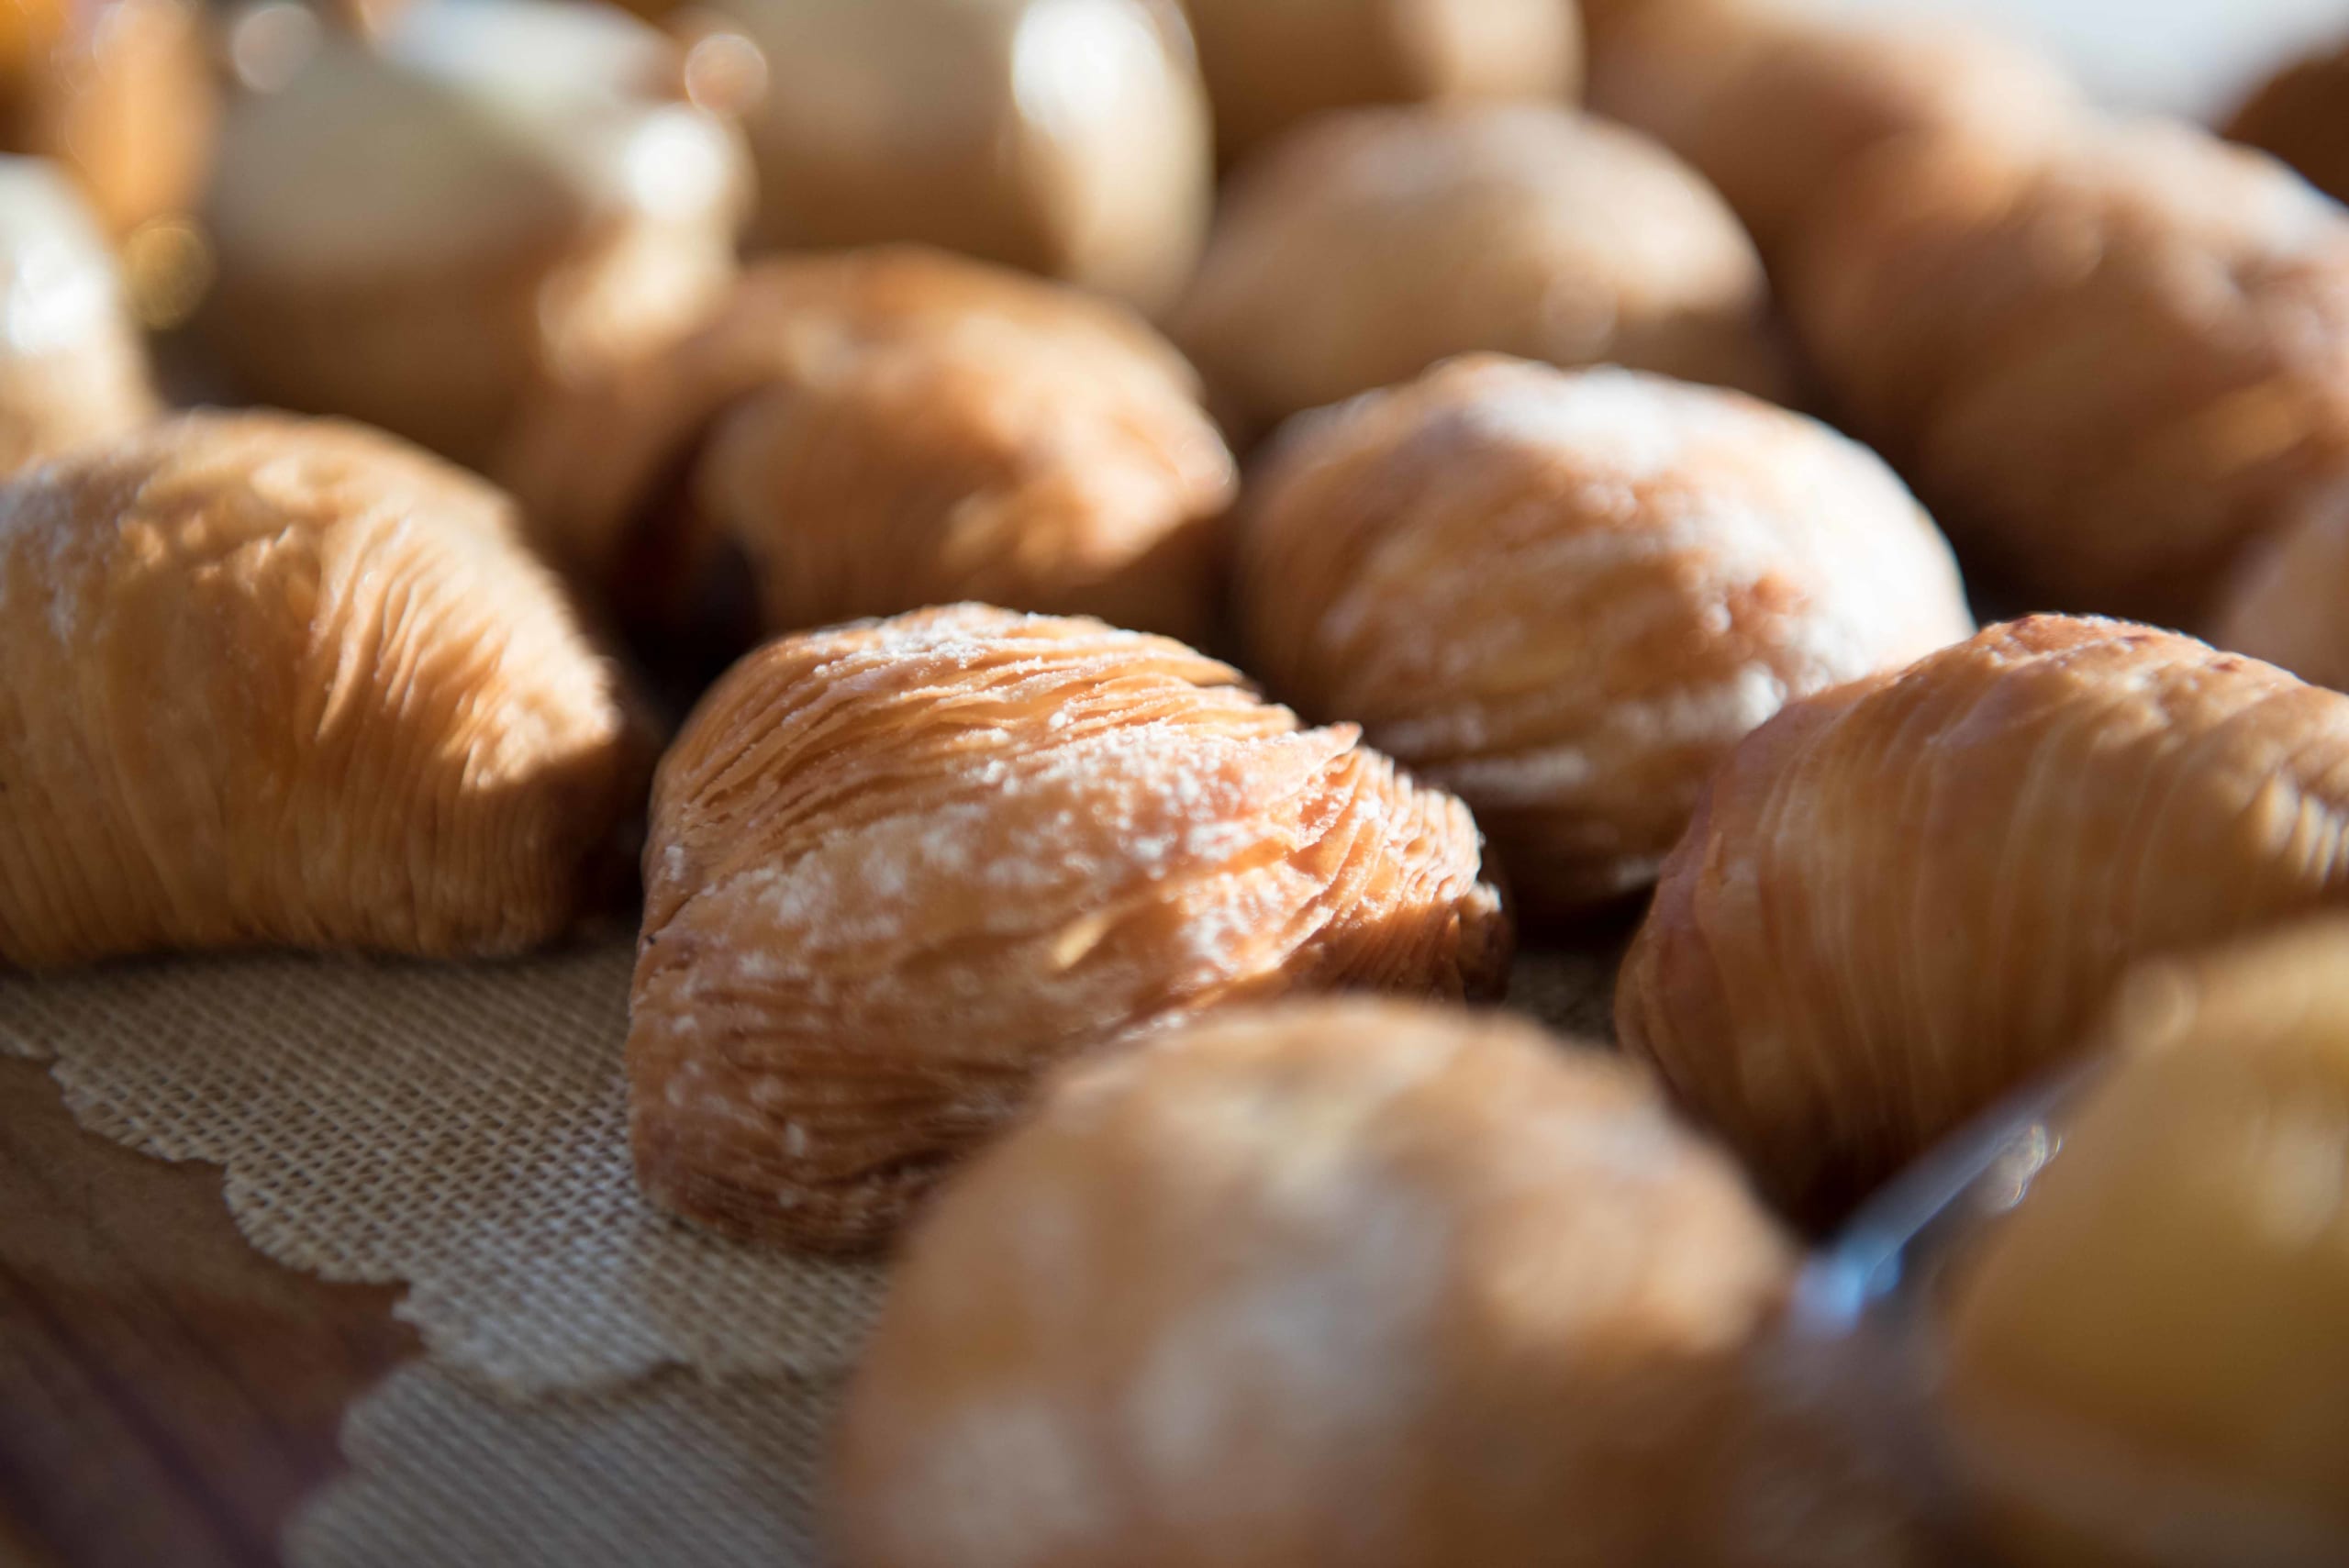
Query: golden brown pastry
2288,604
1271,63
73,370
1067,137
2302,115
899,868
1778,104
1345,1284
881,430
1368,245
2106,364
2147,1364
118,91
502,194
1903,898
1566,595
266,681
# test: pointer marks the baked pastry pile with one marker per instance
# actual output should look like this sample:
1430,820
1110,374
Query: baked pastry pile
1016,930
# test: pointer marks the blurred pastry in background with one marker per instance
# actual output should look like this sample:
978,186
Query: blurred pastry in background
1366,246
1270,64
2145,1365
2109,361
120,91
2302,115
2289,602
72,368
278,681
1566,595
1910,895
1069,138
900,869
1776,103
504,195
878,430
1334,1283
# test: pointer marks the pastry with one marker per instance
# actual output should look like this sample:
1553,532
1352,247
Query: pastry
1364,247
2285,603
1566,596
899,868
2146,1364
881,430
2302,115
269,681
1271,63
502,194
118,91
1348,1284
1067,137
1778,105
2107,363
73,370
1906,896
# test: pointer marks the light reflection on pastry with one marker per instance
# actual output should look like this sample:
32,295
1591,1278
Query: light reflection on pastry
1566,595
880,430
1364,247
506,194
269,681
899,869
73,370
1066,137
1907,896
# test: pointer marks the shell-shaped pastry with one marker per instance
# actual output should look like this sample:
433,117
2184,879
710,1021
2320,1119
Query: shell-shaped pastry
1067,137
270,682
2289,603
1350,1283
1778,104
1363,248
881,430
1271,63
73,370
2149,1348
899,868
2106,362
1906,896
496,197
1566,596
2302,115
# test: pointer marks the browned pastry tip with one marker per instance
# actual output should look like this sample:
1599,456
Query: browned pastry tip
1270,64
883,429
2107,361
899,868
273,682
1346,1282
1777,105
1566,595
1363,248
2302,115
1907,896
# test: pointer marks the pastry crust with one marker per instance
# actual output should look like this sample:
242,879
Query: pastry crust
1345,1284
1367,246
72,368
1270,64
2286,604
885,429
1904,898
2107,363
2302,115
268,682
1566,595
499,197
899,869
1071,140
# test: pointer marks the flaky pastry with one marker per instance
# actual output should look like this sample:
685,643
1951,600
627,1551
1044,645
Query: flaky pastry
1904,898
1566,596
72,369
271,681
899,868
